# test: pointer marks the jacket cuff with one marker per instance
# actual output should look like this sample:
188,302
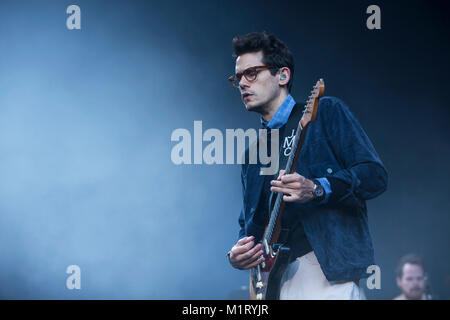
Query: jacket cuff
327,187
339,189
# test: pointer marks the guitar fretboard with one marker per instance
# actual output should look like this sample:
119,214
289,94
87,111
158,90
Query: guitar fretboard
289,168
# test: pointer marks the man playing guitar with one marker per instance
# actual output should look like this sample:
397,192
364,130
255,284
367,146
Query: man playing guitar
338,170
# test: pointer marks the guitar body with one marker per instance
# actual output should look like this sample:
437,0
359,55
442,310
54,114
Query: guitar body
265,282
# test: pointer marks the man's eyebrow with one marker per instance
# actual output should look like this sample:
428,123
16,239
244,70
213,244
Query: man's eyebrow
243,69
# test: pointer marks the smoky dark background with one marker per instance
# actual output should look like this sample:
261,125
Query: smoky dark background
86,118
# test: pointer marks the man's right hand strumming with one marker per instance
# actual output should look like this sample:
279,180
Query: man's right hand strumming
245,255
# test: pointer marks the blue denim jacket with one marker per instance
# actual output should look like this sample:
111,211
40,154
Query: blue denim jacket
335,147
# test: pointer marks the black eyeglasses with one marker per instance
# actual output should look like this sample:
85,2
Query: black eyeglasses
250,74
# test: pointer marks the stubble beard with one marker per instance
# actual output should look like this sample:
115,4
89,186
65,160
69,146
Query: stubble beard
260,108
415,294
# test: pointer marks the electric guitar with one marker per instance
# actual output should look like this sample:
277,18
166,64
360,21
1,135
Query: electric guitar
265,278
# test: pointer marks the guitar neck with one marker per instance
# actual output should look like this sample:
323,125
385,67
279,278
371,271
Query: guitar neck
309,114
275,216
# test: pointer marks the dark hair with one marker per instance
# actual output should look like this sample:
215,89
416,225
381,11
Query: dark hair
411,259
275,52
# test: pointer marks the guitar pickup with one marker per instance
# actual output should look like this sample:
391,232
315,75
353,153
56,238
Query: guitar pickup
266,246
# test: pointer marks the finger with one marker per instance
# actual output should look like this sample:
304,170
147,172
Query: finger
280,174
237,250
291,185
245,259
254,264
281,190
276,183
251,253
251,259
290,198
245,240
292,178
241,255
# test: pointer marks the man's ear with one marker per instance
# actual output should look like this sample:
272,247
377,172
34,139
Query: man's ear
399,281
285,76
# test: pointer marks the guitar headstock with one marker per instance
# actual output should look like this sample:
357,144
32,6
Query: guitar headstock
312,104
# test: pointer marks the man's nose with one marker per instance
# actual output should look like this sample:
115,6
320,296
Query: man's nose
415,282
243,83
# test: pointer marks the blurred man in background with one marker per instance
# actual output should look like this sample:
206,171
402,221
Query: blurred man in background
411,278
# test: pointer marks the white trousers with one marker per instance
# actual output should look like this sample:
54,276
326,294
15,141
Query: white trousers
304,280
